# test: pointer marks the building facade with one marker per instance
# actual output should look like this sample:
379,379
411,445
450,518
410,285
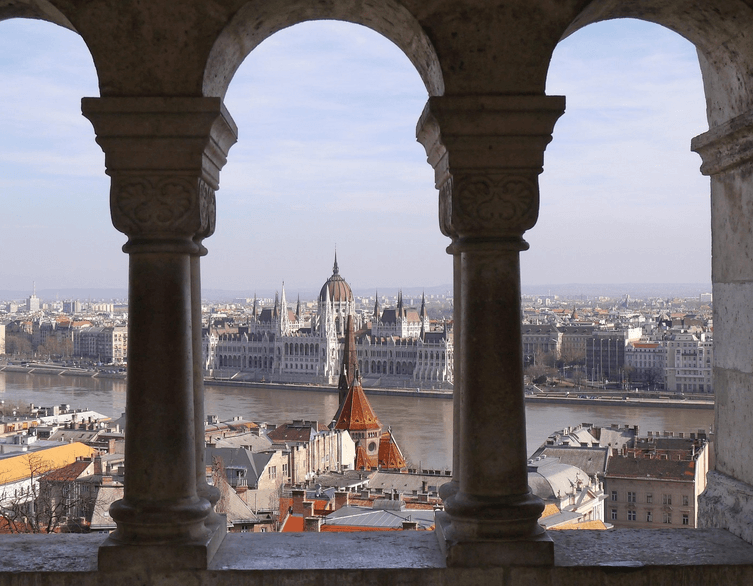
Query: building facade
656,483
278,345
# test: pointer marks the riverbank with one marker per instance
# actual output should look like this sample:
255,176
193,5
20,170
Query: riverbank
52,370
624,402
614,399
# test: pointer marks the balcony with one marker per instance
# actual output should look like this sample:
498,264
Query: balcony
625,556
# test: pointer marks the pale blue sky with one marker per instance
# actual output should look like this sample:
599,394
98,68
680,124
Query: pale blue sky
327,155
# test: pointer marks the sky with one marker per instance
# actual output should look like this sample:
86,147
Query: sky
327,159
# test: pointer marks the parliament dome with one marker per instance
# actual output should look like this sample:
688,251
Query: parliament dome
339,290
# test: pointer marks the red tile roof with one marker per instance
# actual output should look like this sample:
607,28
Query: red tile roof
68,473
293,524
356,413
390,456
363,461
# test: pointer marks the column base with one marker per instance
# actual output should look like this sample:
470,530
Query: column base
449,489
537,550
727,503
114,555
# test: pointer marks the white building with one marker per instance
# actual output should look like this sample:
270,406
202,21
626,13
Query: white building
690,358
277,345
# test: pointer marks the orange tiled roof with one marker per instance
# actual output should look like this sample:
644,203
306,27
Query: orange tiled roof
20,466
597,524
390,456
550,509
294,524
356,413
363,461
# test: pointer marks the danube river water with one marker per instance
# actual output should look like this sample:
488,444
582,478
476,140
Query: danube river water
422,426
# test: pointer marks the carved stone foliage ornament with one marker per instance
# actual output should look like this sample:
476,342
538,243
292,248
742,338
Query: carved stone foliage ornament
491,206
162,206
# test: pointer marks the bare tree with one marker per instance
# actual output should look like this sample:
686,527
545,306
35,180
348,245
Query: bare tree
18,344
219,479
36,504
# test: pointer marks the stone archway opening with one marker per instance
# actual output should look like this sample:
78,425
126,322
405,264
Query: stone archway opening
327,114
51,174
622,199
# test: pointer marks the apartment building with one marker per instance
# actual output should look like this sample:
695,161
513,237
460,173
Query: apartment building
657,482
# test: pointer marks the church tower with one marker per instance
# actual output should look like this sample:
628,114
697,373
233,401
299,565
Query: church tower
340,297
283,328
424,316
349,369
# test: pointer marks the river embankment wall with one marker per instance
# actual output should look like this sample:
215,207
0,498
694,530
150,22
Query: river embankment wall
554,399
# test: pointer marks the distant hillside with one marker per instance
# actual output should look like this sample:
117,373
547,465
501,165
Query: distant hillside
638,290
571,290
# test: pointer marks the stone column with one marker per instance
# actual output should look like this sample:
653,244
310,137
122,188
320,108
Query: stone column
216,524
727,154
487,172
163,156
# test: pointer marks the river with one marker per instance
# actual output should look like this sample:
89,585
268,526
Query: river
422,426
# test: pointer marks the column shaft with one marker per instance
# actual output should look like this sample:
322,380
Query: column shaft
493,449
160,501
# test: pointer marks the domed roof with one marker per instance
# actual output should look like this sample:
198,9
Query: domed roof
339,290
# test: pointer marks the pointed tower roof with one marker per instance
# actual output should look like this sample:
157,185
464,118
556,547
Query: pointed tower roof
423,306
376,305
356,413
298,307
390,455
338,288
363,462
349,368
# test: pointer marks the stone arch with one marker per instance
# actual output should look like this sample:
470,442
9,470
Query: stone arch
721,36
38,10
257,20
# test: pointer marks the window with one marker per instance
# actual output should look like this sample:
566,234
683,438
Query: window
649,517
273,471
685,500
666,499
614,514
667,518
685,519
631,516
614,495
631,497
649,498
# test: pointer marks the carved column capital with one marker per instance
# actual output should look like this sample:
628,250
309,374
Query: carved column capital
487,153
164,156
726,146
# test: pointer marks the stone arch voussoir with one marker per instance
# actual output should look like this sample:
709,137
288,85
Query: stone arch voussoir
257,20
720,30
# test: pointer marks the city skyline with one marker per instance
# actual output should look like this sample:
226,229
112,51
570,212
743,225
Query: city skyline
327,157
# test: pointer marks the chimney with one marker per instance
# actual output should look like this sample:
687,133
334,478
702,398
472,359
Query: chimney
342,499
312,524
298,496
98,465
308,508
410,525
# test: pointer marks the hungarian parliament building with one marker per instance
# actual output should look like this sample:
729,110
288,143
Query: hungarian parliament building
396,347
